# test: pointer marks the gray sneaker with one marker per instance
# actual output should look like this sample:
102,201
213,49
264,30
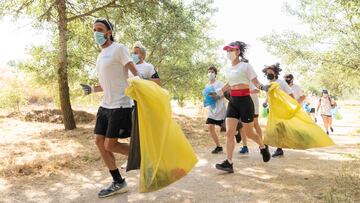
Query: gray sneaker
114,188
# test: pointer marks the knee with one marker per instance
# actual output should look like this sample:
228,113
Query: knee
211,128
109,146
230,133
99,141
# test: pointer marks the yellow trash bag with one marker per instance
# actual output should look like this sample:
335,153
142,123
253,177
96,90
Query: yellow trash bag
166,154
288,126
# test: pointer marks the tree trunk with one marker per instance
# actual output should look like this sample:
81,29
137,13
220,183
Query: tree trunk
68,117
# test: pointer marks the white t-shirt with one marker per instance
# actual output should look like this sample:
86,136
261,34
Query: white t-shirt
145,70
325,106
219,112
113,75
297,91
242,73
284,86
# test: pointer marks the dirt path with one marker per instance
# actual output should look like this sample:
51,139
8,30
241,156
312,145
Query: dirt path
300,176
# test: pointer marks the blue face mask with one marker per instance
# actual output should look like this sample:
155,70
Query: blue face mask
135,58
99,38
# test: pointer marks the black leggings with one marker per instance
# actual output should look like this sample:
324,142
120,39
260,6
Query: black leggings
242,108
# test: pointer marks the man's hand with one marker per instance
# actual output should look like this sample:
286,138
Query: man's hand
87,89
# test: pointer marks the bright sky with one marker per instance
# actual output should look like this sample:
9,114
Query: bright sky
244,20
249,20
16,38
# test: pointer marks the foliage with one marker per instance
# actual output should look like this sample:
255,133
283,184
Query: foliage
174,33
328,55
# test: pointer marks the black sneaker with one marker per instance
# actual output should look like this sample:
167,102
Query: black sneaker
278,152
114,188
315,120
265,153
217,150
238,136
225,166
332,130
327,132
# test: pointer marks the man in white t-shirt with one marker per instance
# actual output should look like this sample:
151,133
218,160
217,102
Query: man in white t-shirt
272,73
216,115
297,91
146,70
113,120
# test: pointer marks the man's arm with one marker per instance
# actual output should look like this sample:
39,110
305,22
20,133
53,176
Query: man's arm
90,89
130,66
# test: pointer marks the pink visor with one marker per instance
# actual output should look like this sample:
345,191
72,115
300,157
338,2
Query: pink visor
230,47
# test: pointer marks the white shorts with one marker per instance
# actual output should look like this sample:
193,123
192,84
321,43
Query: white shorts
255,99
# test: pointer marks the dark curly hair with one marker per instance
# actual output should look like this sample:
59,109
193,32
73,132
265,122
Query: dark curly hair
241,46
275,67
213,69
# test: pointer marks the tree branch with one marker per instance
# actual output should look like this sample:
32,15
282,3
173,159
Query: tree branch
23,6
92,11
47,13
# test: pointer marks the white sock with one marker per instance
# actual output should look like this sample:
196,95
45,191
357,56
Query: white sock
229,161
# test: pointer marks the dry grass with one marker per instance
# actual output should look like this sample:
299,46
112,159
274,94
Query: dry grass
38,96
50,151
42,153
51,116
347,184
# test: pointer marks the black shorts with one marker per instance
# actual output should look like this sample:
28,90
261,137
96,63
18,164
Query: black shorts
241,108
312,110
113,123
214,122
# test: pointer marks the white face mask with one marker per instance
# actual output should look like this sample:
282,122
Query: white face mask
211,76
231,55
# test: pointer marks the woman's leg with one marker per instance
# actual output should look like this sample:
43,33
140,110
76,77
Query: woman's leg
257,127
264,150
227,165
244,149
330,124
326,123
231,124
249,132
243,137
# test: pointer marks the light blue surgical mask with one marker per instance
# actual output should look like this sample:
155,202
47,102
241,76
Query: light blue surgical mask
135,58
99,38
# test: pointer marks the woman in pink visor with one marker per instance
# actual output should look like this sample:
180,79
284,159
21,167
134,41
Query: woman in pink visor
241,107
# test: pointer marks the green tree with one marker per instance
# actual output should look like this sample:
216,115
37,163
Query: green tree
59,14
328,55
168,28
174,33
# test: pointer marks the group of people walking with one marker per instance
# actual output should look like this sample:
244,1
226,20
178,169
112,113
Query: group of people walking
115,65
243,106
